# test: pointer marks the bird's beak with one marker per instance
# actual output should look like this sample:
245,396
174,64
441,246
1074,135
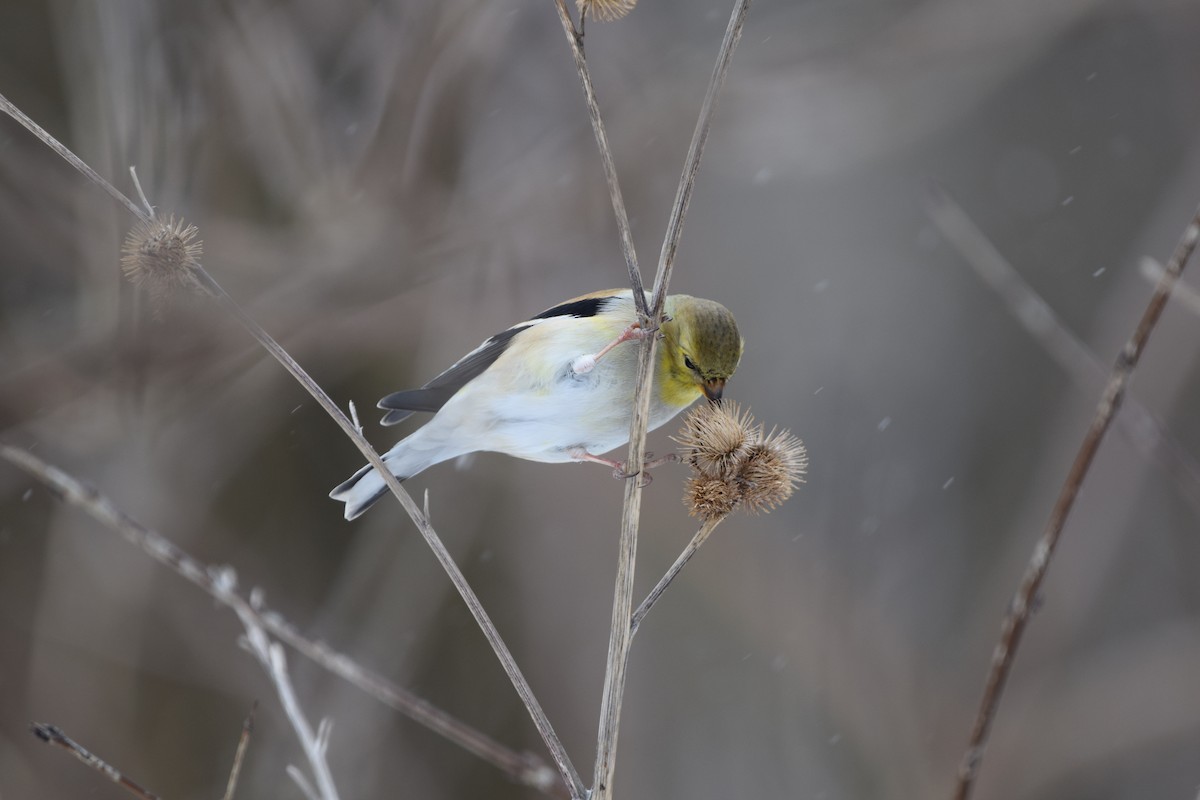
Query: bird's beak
713,389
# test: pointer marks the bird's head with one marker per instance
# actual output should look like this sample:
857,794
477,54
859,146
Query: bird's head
703,340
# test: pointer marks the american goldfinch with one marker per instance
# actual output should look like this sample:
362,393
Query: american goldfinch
557,387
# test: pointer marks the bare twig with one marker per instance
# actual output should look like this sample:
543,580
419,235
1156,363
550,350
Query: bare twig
683,195
540,720
75,161
1136,422
301,780
240,755
1182,293
620,632
209,285
1021,607
53,735
137,184
694,545
575,39
220,583
315,744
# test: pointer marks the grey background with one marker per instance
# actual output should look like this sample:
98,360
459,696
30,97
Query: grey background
383,185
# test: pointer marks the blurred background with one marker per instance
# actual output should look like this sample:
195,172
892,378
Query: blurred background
384,184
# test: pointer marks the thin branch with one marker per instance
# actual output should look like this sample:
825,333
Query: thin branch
524,691
301,781
1015,621
240,755
620,633
137,184
209,285
75,161
692,547
1182,293
1136,422
575,40
53,735
683,195
220,583
271,656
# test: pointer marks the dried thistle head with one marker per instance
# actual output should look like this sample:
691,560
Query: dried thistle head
710,498
736,463
605,10
771,470
161,257
714,438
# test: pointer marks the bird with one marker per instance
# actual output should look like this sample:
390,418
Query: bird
557,387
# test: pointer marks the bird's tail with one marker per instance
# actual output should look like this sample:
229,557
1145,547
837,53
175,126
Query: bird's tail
362,489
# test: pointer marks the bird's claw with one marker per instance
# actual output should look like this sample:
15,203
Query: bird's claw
649,463
638,331
645,477
648,328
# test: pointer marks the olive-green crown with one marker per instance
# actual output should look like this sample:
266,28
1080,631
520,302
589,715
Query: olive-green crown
708,334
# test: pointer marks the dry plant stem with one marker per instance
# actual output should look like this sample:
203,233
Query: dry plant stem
620,632
1182,293
683,196
1015,621
314,743
620,636
218,583
75,161
1136,422
575,39
540,721
52,735
693,546
240,755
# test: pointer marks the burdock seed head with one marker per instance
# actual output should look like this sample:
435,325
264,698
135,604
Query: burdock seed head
162,257
771,470
605,10
736,463
714,438
710,498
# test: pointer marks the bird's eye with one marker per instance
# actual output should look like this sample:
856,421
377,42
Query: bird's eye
687,362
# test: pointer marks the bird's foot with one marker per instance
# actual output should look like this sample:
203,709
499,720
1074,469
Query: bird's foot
657,329
669,458
618,467
648,464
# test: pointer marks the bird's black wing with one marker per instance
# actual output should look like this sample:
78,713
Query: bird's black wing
587,306
433,395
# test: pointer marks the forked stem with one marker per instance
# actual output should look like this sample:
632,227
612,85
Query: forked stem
620,632
692,547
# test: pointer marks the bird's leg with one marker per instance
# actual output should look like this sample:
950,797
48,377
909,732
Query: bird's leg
586,363
580,454
618,467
